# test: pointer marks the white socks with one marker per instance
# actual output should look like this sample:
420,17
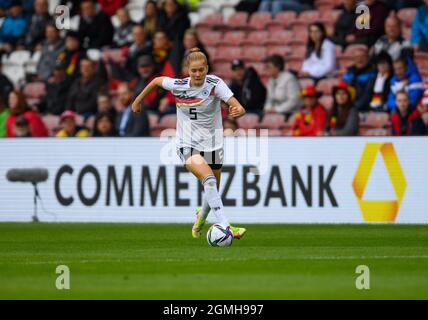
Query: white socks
213,199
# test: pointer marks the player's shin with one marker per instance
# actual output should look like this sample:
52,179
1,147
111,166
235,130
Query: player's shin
213,198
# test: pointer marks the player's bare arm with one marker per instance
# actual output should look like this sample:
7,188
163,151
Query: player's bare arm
236,110
156,82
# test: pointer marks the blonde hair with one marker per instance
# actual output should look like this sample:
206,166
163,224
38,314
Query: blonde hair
195,54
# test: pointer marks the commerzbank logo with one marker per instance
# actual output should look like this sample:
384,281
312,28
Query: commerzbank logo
379,210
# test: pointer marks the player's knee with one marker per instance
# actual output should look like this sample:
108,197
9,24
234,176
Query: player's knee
210,181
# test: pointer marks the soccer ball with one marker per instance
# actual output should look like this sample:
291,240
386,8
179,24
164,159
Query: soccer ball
219,236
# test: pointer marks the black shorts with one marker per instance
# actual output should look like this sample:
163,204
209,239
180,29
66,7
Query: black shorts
213,158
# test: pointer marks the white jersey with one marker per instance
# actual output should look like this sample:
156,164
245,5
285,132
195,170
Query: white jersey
199,121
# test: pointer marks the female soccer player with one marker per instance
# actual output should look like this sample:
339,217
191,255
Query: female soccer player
200,130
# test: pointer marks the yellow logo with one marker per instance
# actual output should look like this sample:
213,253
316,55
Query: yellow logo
379,210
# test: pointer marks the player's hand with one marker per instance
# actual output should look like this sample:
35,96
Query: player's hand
136,107
236,111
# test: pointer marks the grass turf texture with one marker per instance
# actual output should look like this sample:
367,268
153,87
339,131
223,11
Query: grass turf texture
146,261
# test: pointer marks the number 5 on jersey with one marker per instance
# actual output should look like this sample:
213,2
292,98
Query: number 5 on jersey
193,114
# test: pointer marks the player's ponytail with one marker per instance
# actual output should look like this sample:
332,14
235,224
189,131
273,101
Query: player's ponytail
194,55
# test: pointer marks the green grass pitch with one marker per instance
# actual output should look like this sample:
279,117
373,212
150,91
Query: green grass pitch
155,261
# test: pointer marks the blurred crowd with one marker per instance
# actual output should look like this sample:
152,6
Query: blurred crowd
86,78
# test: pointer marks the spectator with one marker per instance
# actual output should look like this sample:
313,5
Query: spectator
82,96
320,59
392,42
247,87
404,121
57,88
123,33
4,113
344,25
381,84
52,47
162,54
401,4
378,14
282,89
139,47
159,100
6,85
275,6
13,28
131,124
312,117
104,125
191,40
150,22
110,7
21,128
174,21
104,105
69,128
39,20
424,100
95,28
344,119
72,55
359,75
18,107
420,28
406,77
249,6
73,5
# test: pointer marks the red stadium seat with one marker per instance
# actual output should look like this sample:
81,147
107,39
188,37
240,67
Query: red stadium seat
306,17
326,86
277,49
211,21
330,15
306,82
248,121
253,53
168,121
233,38
407,15
51,123
255,38
298,51
272,121
212,51
282,20
222,69
294,64
211,38
278,37
327,102
300,35
35,90
238,20
227,54
153,119
260,68
115,55
259,20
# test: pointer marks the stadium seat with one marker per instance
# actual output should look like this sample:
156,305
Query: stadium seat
326,85
227,53
238,20
327,102
248,121
260,68
212,21
271,121
306,17
294,64
259,20
35,90
211,38
51,123
255,38
115,55
407,15
282,20
298,51
153,119
223,70
300,35
330,15
375,120
306,82
324,5
233,38
278,49
212,51
168,121
253,53
278,37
